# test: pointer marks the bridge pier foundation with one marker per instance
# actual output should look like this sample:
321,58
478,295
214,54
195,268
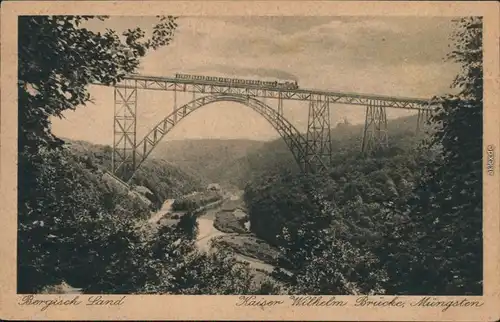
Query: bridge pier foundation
375,131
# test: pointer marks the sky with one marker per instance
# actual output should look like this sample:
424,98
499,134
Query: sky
396,56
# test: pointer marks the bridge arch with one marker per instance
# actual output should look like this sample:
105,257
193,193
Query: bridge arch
292,137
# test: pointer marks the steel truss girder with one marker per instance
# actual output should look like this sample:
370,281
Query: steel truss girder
173,84
292,137
280,103
318,137
311,152
375,130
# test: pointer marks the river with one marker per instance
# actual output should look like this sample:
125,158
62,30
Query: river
207,232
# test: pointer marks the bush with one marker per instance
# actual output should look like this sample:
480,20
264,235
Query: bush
194,201
228,223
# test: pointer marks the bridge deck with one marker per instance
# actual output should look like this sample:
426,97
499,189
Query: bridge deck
301,94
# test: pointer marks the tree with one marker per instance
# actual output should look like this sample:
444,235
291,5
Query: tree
57,61
67,233
70,225
317,261
440,248
217,273
188,225
278,201
330,227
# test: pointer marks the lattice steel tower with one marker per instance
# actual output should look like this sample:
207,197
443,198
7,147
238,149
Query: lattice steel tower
123,161
318,139
375,131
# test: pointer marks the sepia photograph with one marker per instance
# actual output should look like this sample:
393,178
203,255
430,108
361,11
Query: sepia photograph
310,157
296,175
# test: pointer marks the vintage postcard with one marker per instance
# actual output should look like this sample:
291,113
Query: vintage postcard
246,160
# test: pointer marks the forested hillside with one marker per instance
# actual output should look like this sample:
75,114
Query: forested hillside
404,220
162,178
360,186
74,226
207,158
274,156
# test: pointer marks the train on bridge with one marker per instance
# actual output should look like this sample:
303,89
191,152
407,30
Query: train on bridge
285,84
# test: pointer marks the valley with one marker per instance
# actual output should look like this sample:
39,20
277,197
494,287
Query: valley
208,233
242,202
261,184
391,206
243,167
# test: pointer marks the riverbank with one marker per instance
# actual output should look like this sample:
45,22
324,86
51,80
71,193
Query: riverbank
246,248
239,242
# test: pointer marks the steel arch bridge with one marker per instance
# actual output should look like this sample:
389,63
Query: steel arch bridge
311,150
287,131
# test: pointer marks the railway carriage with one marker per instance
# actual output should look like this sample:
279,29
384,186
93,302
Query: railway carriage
290,85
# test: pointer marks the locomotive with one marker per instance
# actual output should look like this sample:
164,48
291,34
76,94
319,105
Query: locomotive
237,81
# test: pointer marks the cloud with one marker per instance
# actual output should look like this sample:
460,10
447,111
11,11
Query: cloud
373,40
396,56
283,24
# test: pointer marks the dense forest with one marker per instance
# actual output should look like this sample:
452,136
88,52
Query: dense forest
359,186
157,179
275,156
362,192
208,158
73,225
193,202
404,220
